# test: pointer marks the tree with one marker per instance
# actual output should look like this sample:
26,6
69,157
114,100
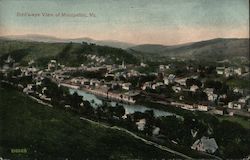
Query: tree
86,109
233,138
118,111
170,126
75,100
192,81
150,121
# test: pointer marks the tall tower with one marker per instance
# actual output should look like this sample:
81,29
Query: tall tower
123,65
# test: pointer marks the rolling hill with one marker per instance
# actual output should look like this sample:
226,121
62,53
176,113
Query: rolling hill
51,39
215,49
37,46
66,53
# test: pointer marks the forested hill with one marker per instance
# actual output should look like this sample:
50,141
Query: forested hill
51,39
68,53
215,49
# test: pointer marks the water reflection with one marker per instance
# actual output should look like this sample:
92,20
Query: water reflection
129,108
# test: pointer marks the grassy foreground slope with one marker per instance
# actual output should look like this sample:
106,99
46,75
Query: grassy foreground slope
49,133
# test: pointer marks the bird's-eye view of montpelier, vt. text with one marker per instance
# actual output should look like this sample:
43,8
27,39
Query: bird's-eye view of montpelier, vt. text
138,80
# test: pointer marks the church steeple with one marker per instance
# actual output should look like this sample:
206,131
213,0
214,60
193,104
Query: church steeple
123,64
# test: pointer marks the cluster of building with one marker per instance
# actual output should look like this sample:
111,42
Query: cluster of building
232,71
121,89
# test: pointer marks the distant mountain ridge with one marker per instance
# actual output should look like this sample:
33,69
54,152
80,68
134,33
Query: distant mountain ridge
216,48
51,39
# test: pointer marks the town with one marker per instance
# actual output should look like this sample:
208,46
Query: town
194,88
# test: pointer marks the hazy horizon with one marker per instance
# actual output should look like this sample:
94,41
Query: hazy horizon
139,22
65,38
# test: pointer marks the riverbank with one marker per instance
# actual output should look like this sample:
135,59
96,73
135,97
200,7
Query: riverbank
129,108
104,93
148,104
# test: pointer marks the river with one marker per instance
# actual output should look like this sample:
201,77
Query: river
129,108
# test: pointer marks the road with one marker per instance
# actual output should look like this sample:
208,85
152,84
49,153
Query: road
40,101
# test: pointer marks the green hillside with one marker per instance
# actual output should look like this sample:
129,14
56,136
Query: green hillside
34,49
51,39
48,133
66,53
215,49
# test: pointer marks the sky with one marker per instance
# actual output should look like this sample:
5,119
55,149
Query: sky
135,21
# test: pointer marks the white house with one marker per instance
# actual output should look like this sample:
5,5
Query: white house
228,72
146,85
156,131
205,144
28,89
220,70
183,105
165,80
235,105
193,88
94,82
52,65
238,90
177,89
126,86
141,124
161,67
238,71
181,81
244,99
210,95
202,107
143,64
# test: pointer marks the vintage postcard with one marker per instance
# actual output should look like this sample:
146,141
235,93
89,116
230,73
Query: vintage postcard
124,79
